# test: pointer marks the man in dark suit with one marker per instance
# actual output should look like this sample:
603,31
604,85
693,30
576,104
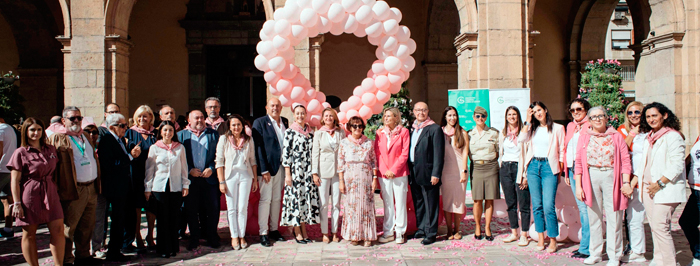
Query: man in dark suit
116,179
200,146
268,135
425,161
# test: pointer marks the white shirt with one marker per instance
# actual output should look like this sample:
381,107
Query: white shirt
694,177
165,167
571,149
9,145
637,147
236,163
414,141
388,141
279,129
85,164
511,152
540,142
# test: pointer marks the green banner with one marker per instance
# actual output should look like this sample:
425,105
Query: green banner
465,101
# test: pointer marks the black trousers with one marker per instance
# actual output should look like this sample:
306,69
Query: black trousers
515,197
426,201
167,221
116,228
203,200
129,218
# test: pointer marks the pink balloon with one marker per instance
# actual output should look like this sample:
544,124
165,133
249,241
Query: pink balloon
500,208
364,15
391,27
393,64
382,97
271,76
382,83
351,114
367,84
326,105
563,232
381,10
297,94
378,68
283,85
396,78
261,63
365,112
358,91
354,102
321,97
403,34
274,91
570,215
277,64
377,109
375,30
573,232
370,74
380,53
315,121
351,5
298,80
388,43
286,102
395,88
302,102
314,106
369,99
344,107
289,71
310,94
341,118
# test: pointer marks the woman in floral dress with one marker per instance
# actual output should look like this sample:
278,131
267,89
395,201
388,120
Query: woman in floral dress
301,201
358,180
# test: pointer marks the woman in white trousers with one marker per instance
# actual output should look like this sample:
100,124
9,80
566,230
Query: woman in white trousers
324,157
236,170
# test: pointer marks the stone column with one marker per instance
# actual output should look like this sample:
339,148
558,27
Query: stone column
466,45
315,62
116,77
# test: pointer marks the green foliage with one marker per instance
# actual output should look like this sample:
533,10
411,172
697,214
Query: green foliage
601,85
10,101
399,100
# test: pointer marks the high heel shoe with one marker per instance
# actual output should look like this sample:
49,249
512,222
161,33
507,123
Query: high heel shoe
489,237
303,241
478,237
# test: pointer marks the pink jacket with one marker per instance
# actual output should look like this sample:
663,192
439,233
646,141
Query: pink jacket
570,128
395,158
621,165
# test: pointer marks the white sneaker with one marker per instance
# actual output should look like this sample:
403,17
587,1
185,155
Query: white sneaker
100,255
613,263
400,240
592,260
510,238
523,241
695,262
634,257
386,238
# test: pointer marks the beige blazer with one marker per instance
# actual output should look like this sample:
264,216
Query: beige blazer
324,157
555,154
668,160
230,158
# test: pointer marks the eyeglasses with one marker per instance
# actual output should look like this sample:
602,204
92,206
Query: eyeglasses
479,116
597,117
634,112
72,119
356,126
121,125
577,109
212,107
420,110
112,112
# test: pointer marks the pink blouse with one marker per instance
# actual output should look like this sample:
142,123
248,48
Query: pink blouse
601,151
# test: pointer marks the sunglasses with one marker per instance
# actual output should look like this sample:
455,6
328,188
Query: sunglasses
355,126
479,116
577,109
634,112
93,132
72,119
597,117
121,125
113,112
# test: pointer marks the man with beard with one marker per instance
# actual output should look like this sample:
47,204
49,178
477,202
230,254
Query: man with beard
213,107
78,181
111,108
200,146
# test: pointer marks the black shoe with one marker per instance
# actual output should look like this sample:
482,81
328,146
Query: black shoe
478,237
265,241
580,256
303,241
88,261
193,245
129,249
428,241
117,257
489,237
165,256
308,240
575,252
276,236
214,244
416,236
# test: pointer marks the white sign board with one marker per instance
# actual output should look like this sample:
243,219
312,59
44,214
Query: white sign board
501,99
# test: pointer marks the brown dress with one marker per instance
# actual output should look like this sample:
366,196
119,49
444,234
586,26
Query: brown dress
39,193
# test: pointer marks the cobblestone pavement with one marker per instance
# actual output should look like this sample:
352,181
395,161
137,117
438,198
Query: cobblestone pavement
467,251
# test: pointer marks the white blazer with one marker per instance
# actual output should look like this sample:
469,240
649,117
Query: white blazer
230,158
668,160
323,157
163,166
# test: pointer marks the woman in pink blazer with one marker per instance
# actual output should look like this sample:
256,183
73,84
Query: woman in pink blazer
391,145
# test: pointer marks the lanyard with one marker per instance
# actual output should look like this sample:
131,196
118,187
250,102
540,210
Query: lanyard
81,148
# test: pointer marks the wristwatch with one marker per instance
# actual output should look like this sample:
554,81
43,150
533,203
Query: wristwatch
222,182
465,171
661,183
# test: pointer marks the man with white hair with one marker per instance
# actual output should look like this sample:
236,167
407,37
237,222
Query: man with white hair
167,113
78,181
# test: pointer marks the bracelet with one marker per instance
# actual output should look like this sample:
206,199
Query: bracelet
16,204
625,182
222,182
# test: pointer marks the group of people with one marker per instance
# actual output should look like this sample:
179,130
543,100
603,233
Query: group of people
67,175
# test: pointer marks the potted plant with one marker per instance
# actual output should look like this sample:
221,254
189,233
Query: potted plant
10,77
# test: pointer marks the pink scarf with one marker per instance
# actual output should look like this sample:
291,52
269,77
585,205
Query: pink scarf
248,131
512,135
196,132
652,138
214,123
237,146
449,133
357,141
327,129
609,132
425,123
580,124
302,130
169,148
143,131
74,134
57,128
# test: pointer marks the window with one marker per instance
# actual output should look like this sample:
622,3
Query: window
621,39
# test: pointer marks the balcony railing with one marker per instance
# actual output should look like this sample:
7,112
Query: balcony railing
627,73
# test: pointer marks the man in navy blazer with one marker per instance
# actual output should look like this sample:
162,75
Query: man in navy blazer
203,200
268,135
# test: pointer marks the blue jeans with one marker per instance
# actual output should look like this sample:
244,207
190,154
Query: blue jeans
689,221
583,212
543,191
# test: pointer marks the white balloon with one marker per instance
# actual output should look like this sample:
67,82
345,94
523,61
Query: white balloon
280,43
380,53
264,36
408,64
268,27
381,10
378,68
279,14
324,25
374,40
277,64
396,14
283,27
370,3
402,51
392,64
337,28
336,13
351,24
389,43
360,31
266,49
289,72
299,31
308,17
375,30
351,5
261,63
292,12
304,3
364,14
403,34
321,6
391,27
411,46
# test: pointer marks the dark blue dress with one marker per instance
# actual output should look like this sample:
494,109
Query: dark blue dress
138,165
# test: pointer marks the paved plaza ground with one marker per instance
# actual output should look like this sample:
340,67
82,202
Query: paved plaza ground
467,251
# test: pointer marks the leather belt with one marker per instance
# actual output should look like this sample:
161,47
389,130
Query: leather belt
601,168
541,159
483,161
86,183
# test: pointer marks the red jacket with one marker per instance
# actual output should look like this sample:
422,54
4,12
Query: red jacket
394,159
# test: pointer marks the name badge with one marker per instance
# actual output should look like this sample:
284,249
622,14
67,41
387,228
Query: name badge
84,161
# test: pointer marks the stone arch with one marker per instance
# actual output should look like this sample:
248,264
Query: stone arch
440,62
117,14
65,11
467,10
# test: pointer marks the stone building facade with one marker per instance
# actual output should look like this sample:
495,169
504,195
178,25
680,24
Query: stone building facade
178,52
